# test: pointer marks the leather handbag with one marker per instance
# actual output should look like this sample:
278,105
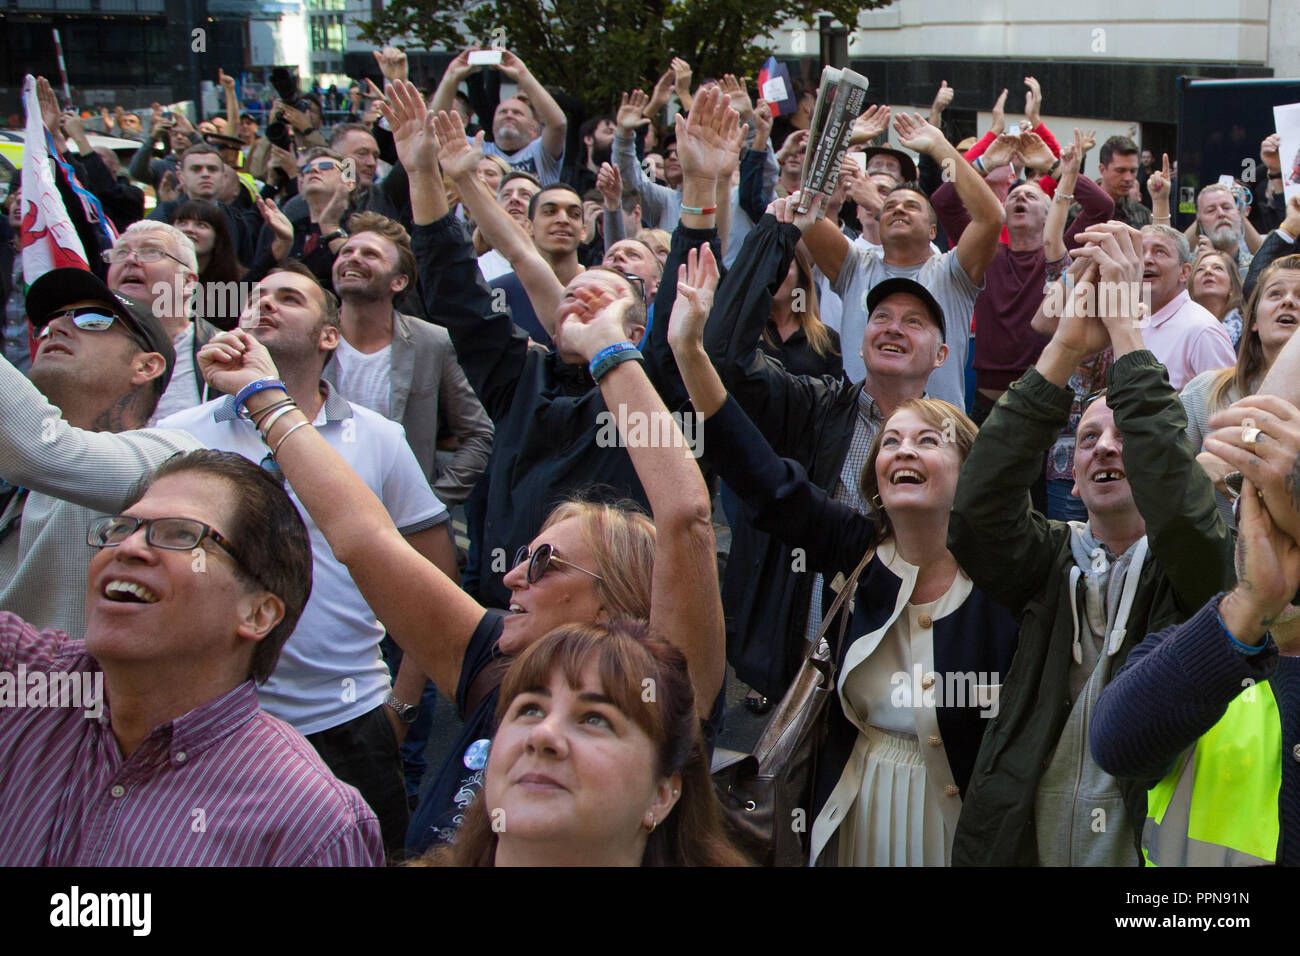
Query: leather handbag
766,795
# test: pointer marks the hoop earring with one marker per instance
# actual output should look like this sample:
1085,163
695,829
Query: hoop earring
651,828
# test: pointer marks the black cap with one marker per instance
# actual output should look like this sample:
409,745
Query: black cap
58,287
904,161
883,290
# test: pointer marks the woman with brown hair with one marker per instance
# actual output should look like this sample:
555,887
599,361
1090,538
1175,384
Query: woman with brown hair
597,760
208,228
1270,320
921,666
795,334
1215,284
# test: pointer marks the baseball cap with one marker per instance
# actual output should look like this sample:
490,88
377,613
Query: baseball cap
883,290
59,287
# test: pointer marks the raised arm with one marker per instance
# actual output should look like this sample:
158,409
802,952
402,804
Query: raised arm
979,242
444,97
779,498
685,604
426,613
227,84
554,123
491,350
459,160
628,119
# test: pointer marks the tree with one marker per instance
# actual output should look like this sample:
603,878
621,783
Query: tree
595,49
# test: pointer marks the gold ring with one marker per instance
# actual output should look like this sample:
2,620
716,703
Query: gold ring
1250,435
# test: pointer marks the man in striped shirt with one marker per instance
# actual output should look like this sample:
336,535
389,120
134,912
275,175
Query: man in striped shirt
190,596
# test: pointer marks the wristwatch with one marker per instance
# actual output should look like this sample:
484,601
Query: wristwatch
336,234
406,713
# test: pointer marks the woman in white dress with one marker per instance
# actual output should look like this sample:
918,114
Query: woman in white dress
925,652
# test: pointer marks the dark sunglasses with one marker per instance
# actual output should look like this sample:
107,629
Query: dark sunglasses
541,561
637,283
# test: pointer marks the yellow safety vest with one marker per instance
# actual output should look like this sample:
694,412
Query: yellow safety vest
1219,807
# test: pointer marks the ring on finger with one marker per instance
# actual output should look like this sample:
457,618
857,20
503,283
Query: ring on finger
1249,435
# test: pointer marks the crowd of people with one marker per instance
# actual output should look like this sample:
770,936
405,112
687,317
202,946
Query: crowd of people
232,447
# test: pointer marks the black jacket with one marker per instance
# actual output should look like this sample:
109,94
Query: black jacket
548,414
807,419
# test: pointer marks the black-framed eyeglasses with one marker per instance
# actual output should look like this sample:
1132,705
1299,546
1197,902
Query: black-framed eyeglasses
170,534
541,561
147,254
637,283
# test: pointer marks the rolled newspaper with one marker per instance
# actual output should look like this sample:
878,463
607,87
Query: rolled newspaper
841,98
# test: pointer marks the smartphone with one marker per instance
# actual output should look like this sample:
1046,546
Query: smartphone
485,58
860,159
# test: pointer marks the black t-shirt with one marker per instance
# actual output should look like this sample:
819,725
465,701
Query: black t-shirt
460,777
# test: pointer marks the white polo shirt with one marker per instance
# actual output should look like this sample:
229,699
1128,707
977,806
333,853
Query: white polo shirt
330,670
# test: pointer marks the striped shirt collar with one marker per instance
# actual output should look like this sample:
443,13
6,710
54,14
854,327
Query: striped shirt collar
335,409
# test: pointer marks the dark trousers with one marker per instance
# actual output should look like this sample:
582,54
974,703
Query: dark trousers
363,753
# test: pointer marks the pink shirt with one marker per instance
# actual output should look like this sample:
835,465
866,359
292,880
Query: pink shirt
1187,339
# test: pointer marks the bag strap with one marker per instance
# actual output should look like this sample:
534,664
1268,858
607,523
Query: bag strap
850,586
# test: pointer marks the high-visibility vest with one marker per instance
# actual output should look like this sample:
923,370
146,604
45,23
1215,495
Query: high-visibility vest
1219,807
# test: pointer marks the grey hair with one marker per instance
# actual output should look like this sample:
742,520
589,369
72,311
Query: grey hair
182,245
1180,241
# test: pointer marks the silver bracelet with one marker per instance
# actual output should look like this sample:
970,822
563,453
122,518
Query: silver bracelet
1069,196
276,450
265,426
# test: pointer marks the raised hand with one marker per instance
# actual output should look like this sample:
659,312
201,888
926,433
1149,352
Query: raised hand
1115,248
331,216
459,157
283,160
869,125
1071,156
941,100
793,143
999,113
1036,153
1033,102
1078,329
610,183
594,321
459,67
512,68
412,125
72,125
661,94
1089,140
106,118
1268,153
631,112
1000,152
682,76
738,95
227,82
296,118
1159,180
916,134
276,221
1260,437
169,187
697,280
762,124
786,209
710,137
231,360
49,104
1270,565
392,63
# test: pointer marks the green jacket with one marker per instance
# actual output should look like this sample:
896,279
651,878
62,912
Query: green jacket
1022,560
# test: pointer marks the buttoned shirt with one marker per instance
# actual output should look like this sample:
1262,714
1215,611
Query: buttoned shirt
224,784
1187,340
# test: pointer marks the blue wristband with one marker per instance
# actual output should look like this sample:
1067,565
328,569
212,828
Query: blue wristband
1243,649
605,353
601,367
252,388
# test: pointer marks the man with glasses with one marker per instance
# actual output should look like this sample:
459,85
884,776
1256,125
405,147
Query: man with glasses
191,592
73,442
332,684
325,181
157,263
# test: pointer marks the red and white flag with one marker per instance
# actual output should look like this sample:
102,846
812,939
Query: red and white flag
48,238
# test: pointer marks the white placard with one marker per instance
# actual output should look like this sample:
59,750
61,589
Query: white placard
774,90
1286,120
